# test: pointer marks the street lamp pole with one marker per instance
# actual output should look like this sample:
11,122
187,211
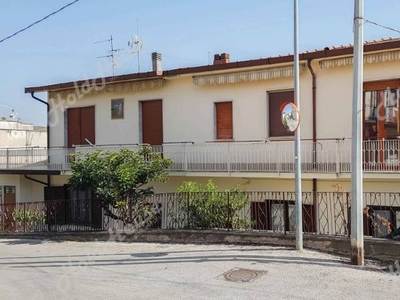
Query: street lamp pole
357,238
297,141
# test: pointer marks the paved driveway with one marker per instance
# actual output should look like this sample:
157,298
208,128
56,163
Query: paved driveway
34,269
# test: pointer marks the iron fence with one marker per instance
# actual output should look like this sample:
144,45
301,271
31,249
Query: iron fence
55,215
324,213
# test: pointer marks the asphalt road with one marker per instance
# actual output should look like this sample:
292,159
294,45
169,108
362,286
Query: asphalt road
35,269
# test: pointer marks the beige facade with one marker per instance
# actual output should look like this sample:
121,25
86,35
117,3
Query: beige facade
188,111
189,116
252,155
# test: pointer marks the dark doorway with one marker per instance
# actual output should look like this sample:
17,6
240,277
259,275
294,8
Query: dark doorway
69,207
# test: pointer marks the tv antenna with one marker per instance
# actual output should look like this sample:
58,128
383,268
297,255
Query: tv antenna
13,115
136,44
111,52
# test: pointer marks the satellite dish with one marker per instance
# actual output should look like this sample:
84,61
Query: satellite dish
136,44
13,115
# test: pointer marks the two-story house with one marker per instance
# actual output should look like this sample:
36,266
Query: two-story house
223,121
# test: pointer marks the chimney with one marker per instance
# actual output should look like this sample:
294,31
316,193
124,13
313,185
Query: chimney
156,58
222,58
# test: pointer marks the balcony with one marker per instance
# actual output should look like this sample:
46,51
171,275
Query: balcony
323,156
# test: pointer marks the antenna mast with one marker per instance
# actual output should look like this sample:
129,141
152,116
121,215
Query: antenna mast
111,52
138,52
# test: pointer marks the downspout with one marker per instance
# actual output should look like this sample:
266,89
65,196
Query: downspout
48,129
36,180
314,111
314,138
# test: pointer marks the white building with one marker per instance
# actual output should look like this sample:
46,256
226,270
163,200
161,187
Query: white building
18,141
222,121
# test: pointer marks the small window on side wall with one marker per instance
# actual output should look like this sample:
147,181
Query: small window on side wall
117,108
276,99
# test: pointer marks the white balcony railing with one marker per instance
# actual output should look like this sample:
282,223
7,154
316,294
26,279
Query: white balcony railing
324,156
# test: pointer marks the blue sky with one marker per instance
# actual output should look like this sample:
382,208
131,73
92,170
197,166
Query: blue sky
62,48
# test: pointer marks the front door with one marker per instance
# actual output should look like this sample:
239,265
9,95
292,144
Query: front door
9,207
152,122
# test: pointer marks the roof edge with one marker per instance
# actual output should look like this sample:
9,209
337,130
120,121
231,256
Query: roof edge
317,54
93,81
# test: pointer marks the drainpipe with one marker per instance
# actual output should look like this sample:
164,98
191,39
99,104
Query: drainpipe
314,110
48,129
36,180
314,137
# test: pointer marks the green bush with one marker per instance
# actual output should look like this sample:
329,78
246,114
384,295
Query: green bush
29,217
203,206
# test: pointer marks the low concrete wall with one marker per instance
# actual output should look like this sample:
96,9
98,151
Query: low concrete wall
374,248
381,249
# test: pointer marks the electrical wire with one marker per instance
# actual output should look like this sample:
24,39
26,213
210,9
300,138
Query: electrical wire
38,21
382,26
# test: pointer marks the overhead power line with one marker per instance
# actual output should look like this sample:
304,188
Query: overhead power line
38,21
382,26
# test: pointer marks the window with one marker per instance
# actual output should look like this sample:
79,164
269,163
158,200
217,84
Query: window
224,122
283,216
9,190
117,108
276,99
280,215
382,220
381,122
381,114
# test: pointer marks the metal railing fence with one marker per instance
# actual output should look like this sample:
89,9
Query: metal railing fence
324,213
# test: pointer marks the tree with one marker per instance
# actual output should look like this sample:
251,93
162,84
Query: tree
120,180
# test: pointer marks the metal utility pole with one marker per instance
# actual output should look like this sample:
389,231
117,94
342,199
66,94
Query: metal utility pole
357,238
297,153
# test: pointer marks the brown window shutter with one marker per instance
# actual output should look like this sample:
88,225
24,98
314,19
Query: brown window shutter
152,122
88,125
81,125
276,100
74,126
224,120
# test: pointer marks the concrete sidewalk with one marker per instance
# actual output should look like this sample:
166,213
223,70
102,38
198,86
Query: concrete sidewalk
36,269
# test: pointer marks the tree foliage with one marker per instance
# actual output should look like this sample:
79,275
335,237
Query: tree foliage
120,179
204,206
